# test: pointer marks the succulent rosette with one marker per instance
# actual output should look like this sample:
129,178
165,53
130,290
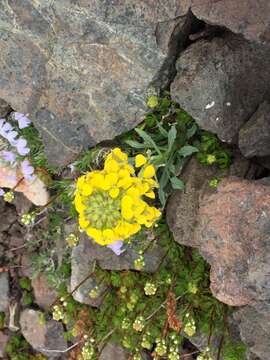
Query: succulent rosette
112,202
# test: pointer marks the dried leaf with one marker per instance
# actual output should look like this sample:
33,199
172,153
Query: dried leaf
34,190
173,321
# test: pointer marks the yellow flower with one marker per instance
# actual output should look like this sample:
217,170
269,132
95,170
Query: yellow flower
149,172
140,160
110,201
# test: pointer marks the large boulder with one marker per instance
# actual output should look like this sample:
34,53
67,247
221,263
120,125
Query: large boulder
232,233
221,82
183,206
247,17
82,68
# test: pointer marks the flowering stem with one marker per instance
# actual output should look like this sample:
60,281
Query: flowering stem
18,183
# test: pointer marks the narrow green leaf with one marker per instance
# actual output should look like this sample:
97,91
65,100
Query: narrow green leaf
187,150
171,137
135,144
147,138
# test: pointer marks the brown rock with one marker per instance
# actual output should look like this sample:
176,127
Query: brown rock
4,108
182,208
44,294
248,17
233,234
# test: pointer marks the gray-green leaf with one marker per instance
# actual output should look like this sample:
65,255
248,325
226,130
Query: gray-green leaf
177,183
187,150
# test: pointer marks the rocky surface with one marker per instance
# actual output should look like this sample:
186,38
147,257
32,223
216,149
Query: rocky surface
82,69
247,17
3,342
182,208
254,324
113,352
44,337
4,291
85,255
216,81
44,294
254,136
233,235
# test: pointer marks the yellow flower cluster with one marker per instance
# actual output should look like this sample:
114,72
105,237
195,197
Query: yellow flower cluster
110,202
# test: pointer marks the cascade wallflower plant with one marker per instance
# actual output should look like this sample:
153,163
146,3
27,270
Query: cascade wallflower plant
112,202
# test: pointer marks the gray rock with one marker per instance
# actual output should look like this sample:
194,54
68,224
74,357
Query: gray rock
4,108
254,136
82,68
87,253
113,352
4,291
254,325
3,342
236,16
43,337
221,82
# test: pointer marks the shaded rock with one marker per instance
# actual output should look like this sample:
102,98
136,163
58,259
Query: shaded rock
254,136
3,342
247,17
221,82
182,208
4,291
113,352
42,337
4,108
8,216
81,69
254,325
87,253
22,204
233,234
81,269
44,294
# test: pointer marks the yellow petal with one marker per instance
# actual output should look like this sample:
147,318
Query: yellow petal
83,222
140,160
150,194
111,178
114,193
120,154
149,171
127,213
87,190
96,235
111,166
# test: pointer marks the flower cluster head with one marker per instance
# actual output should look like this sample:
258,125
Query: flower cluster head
72,240
139,324
150,289
111,202
88,351
28,218
139,263
161,347
190,326
58,313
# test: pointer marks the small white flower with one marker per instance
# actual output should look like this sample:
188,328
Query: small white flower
210,105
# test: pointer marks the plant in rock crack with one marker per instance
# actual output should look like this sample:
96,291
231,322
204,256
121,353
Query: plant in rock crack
166,138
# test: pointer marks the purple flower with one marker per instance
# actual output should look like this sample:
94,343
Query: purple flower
9,156
11,137
21,146
1,192
5,127
116,247
22,119
27,170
